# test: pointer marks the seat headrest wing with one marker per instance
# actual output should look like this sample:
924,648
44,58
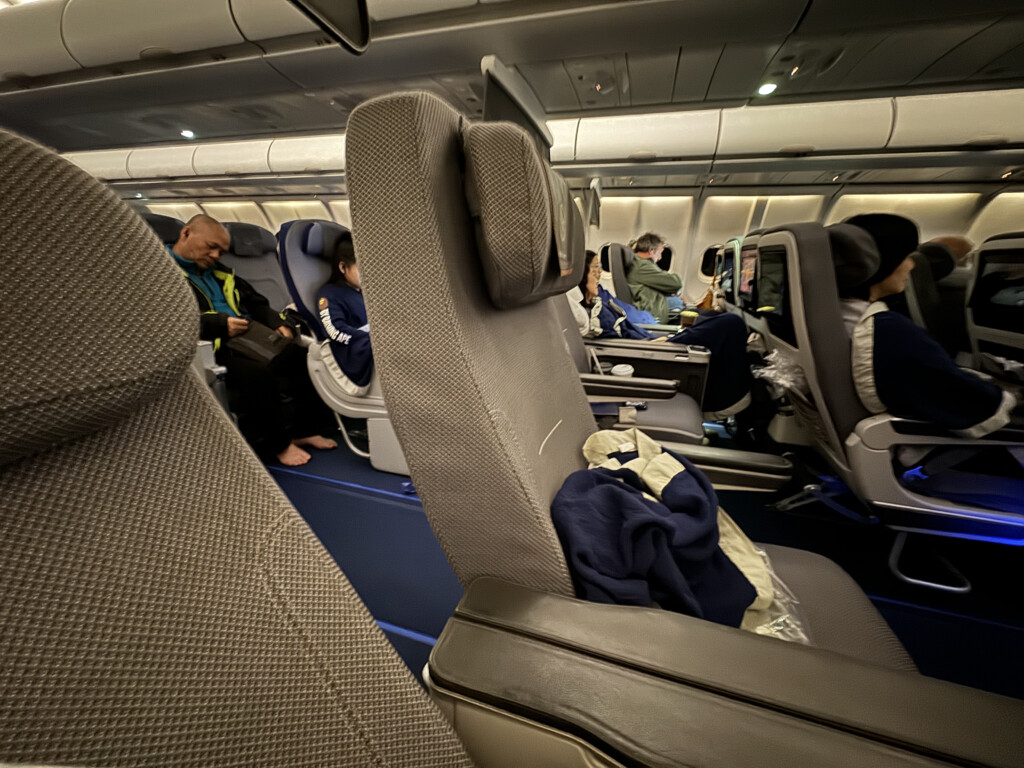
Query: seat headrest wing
320,238
529,230
854,255
167,228
940,258
250,240
110,323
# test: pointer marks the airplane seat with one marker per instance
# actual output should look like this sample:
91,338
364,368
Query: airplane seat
616,259
930,306
995,307
167,228
164,603
253,257
860,446
487,480
306,249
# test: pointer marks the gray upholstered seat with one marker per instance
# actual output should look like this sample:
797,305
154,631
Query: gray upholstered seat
253,257
163,602
487,480
167,228
937,309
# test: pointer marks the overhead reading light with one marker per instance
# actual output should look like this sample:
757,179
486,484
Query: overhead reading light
1007,175
835,178
188,134
138,194
767,89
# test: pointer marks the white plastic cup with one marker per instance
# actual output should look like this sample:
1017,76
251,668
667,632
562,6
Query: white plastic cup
622,369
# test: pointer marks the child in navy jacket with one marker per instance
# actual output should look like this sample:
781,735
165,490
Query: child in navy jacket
343,317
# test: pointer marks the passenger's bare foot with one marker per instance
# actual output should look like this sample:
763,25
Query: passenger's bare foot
316,441
293,456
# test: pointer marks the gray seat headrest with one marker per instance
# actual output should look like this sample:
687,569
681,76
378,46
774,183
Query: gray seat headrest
854,255
119,323
940,258
529,232
167,228
250,240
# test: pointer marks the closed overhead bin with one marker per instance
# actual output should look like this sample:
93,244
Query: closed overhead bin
648,137
232,157
31,41
309,153
266,19
99,32
161,162
790,128
983,118
106,164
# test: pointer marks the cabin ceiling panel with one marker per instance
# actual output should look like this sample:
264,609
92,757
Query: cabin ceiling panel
694,72
651,77
740,70
974,55
904,55
600,82
1009,65
840,15
140,109
551,83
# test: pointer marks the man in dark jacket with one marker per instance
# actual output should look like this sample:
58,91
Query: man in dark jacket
227,304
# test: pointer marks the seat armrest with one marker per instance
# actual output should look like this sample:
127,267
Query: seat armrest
628,387
885,431
663,689
665,330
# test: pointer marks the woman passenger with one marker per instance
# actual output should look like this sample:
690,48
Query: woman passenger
725,335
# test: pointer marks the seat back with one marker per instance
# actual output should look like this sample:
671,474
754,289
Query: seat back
306,249
725,272
486,403
995,300
253,257
167,228
928,307
164,604
617,258
823,347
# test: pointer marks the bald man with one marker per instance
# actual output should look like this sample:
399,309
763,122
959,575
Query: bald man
226,303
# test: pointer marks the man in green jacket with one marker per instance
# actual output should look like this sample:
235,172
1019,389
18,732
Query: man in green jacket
653,289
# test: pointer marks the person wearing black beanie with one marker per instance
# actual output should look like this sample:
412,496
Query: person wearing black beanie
897,366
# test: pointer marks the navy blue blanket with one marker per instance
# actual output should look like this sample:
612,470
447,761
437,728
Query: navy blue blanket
625,549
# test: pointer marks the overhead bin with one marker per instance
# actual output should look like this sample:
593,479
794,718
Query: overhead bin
380,10
266,19
310,153
99,32
159,162
564,134
232,157
801,128
105,164
648,137
983,118
32,44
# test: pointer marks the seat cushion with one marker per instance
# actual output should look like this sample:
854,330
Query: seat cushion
839,615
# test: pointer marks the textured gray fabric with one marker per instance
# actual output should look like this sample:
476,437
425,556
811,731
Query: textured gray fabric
510,194
617,259
92,345
830,343
487,477
839,614
164,605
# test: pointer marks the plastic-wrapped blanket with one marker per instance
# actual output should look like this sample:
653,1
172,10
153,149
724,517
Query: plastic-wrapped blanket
642,526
